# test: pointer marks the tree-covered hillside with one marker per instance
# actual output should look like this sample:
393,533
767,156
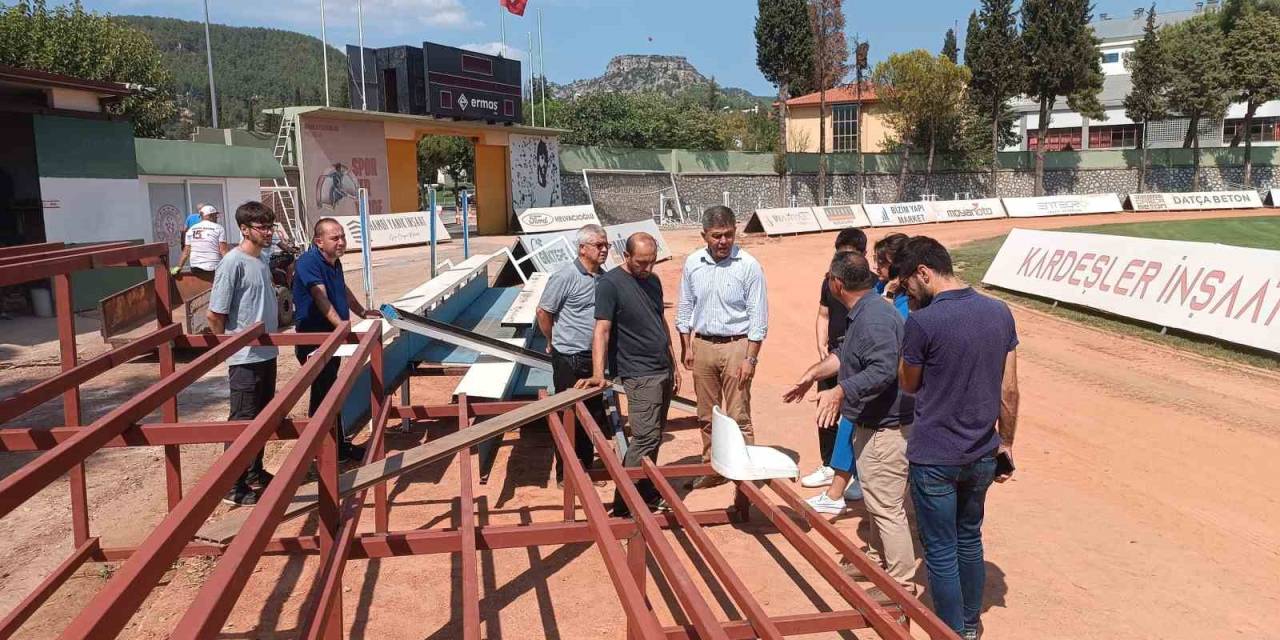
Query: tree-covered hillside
253,67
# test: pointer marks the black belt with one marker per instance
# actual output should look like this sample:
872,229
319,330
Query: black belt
722,339
877,427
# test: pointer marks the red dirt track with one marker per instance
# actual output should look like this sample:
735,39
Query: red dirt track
1144,506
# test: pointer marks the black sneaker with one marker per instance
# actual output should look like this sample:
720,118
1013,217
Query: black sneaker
348,452
260,480
241,497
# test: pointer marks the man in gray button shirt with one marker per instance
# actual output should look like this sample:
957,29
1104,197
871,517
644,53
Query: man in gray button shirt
567,317
243,294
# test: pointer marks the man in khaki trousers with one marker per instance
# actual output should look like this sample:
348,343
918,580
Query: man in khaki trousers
722,317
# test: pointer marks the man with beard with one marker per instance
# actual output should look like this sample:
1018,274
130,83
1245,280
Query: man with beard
243,294
633,340
959,358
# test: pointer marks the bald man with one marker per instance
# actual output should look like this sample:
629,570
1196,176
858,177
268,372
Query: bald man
633,340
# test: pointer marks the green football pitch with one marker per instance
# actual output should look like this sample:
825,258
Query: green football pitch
972,259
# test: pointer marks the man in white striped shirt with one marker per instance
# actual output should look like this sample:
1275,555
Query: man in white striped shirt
722,317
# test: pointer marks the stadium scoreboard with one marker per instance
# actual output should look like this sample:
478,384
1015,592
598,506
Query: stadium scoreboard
436,80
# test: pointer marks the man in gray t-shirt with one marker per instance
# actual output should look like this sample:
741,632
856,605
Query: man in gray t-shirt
567,317
243,294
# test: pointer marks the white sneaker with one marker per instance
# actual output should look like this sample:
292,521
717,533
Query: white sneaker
821,477
822,504
853,492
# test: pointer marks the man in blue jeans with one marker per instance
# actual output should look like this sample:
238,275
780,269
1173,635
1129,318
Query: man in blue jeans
959,357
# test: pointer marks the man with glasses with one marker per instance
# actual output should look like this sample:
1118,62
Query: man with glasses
244,294
567,317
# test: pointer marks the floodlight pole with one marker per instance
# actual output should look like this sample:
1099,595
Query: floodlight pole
324,54
542,62
364,102
533,114
208,51
431,215
365,241
502,20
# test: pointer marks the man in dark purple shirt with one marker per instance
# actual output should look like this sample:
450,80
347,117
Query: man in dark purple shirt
959,357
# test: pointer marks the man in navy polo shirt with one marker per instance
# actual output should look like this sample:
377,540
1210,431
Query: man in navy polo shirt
959,357
320,305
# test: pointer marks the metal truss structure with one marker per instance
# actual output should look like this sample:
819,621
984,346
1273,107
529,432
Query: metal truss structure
239,539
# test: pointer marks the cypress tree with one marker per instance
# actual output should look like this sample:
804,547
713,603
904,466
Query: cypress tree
993,52
1147,100
784,54
949,48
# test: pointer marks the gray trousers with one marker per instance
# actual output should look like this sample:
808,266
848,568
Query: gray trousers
648,399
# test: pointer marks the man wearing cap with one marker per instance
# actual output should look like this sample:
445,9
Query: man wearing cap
206,243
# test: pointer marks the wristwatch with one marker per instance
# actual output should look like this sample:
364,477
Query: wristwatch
753,360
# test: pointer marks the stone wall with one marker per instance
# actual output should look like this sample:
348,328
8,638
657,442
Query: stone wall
620,202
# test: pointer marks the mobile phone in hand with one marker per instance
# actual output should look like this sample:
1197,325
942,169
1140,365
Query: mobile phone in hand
1004,464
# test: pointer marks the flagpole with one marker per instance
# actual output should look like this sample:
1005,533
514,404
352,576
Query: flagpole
364,98
533,112
502,20
542,62
324,50
208,50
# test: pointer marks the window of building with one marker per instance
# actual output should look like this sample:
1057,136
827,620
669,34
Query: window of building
1260,130
844,127
1124,136
1111,57
1066,139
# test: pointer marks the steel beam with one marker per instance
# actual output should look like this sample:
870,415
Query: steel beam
470,583
91,258
30,249
640,619
116,603
37,474
796,625
64,252
213,603
878,617
911,606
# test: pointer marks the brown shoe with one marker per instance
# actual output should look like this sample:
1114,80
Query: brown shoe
707,481
880,597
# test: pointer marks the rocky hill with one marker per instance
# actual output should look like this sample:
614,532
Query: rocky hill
671,75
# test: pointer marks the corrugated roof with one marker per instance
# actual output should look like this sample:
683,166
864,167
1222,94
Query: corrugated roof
1114,90
180,158
837,95
1131,25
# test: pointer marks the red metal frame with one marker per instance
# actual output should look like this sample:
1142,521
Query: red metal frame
64,448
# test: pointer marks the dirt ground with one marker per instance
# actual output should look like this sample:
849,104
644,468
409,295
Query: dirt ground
1144,505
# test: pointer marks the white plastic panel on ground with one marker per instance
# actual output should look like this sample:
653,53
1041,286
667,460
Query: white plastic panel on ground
618,234
490,376
1273,197
783,221
953,210
525,308
1216,290
841,216
899,214
1062,205
1197,201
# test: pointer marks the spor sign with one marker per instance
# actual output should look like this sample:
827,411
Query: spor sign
1226,292
1200,200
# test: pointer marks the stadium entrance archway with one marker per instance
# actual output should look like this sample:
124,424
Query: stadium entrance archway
338,151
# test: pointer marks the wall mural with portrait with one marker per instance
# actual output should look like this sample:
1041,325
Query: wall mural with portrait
535,172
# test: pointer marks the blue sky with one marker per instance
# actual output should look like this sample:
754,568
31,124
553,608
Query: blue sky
582,35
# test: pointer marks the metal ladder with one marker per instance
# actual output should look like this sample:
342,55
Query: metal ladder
286,155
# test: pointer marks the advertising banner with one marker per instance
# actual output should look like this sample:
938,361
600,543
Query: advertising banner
393,230
1273,197
338,158
544,219
535,173
782,221
1196,201
893,215
1225,292
1062,205
952,210
619,233
841,217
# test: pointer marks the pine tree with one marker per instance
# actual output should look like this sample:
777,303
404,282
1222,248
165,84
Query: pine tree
949,47
1198,88
1253,65
784,54
1147,101
713,95
1061,59
972,38
993,52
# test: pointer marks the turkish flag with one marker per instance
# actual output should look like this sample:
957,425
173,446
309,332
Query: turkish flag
514,6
